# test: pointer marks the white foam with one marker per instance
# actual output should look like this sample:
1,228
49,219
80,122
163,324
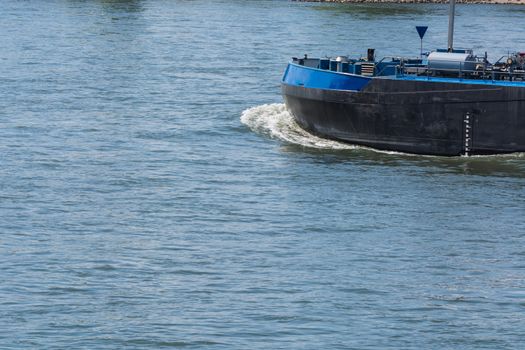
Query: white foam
275,121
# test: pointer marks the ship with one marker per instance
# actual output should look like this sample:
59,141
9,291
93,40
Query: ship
448,102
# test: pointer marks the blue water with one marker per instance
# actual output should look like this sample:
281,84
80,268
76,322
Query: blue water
155,193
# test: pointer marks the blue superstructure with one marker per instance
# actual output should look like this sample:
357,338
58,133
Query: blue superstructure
323,79
459,67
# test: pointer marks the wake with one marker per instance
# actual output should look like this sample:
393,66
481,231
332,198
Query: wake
275,121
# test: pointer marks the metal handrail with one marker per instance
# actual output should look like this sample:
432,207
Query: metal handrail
485,74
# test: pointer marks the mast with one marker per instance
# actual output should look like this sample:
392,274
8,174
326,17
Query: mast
451,25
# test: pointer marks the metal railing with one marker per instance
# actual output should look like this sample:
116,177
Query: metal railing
482,73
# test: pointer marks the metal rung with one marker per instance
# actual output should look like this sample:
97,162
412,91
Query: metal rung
367,69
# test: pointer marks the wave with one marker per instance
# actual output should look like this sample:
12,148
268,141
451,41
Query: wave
275,121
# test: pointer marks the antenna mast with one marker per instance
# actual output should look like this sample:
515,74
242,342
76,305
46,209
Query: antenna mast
451,25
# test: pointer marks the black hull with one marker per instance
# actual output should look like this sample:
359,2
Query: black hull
416,116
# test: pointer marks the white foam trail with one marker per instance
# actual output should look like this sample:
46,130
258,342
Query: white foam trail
275,121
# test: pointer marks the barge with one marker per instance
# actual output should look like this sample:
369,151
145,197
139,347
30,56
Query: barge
449,103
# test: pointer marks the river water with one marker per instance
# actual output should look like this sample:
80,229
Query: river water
155,193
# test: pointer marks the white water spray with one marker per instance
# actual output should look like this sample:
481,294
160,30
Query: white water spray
275,121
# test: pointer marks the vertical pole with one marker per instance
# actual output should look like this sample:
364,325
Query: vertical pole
451,25
421,51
